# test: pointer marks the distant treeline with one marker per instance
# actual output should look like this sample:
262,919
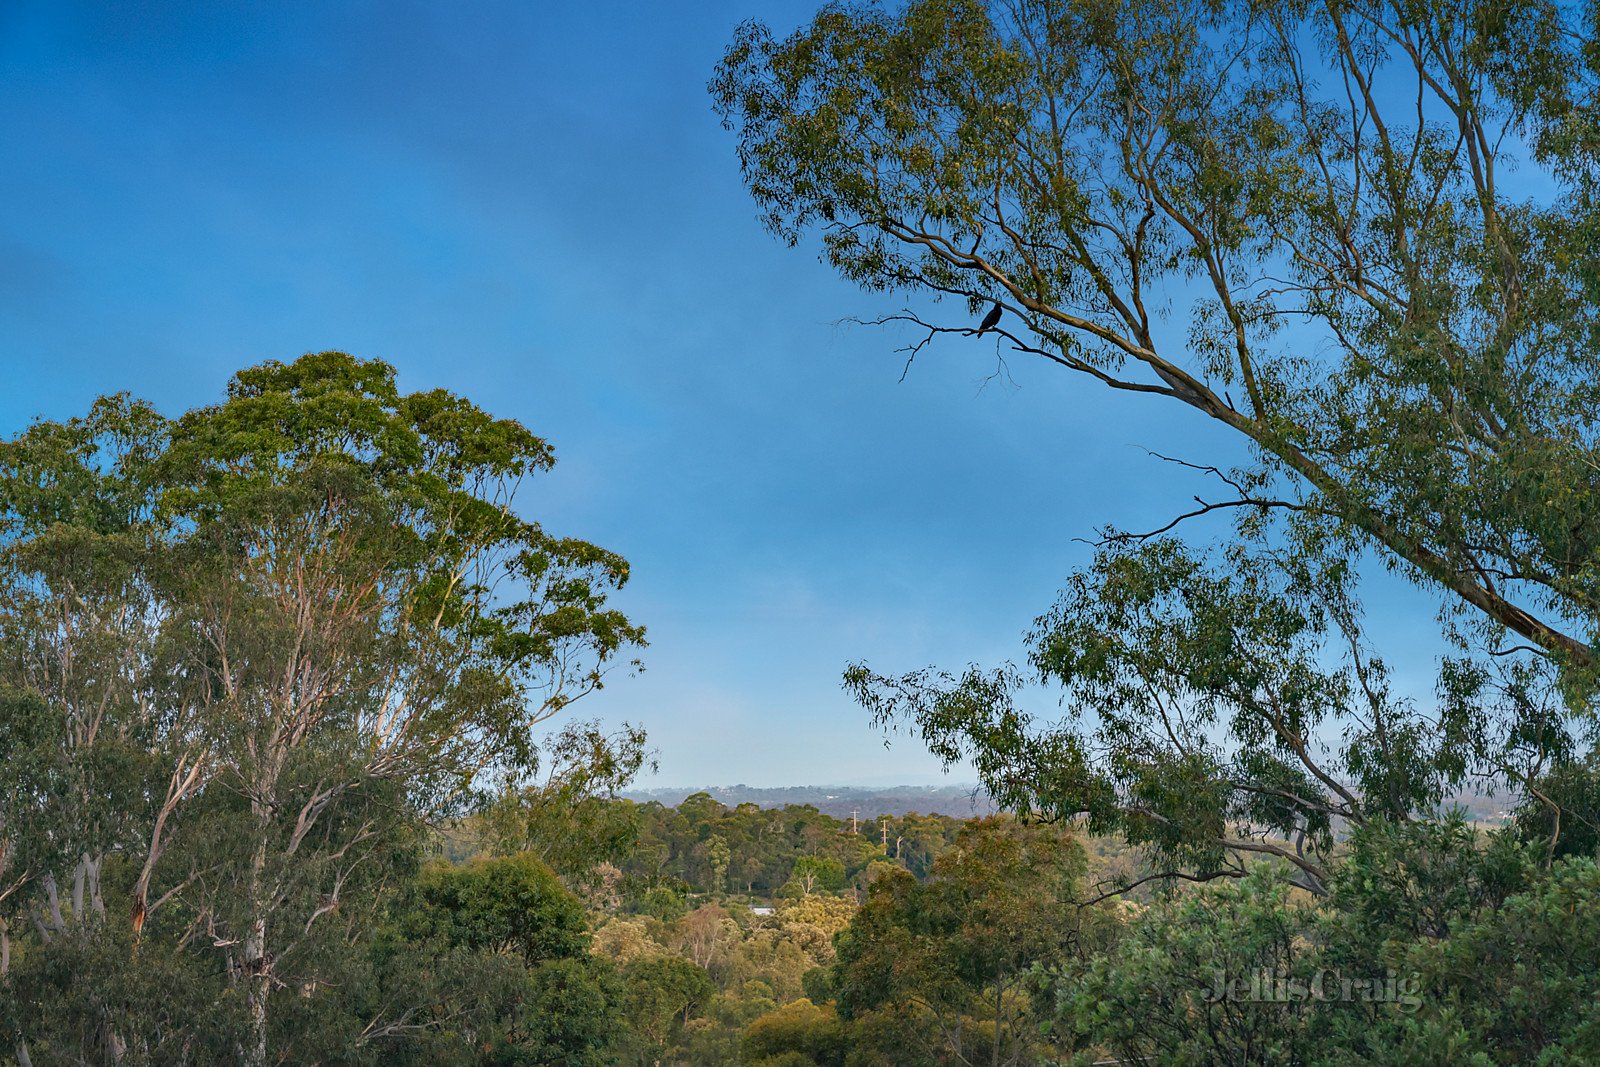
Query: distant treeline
962,800
701,847
747,935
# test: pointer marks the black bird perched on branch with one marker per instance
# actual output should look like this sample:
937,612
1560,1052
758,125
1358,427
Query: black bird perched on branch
990,319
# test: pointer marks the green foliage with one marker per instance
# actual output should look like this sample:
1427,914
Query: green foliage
664,903
249,652
812,874
1104,168
964,946
573,1017
511,905
798,1033
719,856
677,848
1563,810
1202,703
1434,948
91,992
1518,983
663,995
1416,880
1165,994
570,816
762,963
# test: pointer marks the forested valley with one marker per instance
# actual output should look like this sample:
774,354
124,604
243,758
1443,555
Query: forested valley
294,762
290,776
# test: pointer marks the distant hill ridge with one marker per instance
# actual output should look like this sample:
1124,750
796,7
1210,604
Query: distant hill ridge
960,800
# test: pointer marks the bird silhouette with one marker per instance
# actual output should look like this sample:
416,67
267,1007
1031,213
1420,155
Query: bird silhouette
990,319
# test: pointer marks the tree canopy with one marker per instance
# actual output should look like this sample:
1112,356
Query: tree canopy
1296,220
253,649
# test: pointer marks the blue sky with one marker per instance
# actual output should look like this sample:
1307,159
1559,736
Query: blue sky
533,205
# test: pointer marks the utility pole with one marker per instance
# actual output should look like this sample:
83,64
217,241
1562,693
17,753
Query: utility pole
853,813
886,835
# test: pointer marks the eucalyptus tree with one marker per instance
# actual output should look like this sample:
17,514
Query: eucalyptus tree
1218,712
1102,168
92,759
274,636
1298,221
961,956
568,812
